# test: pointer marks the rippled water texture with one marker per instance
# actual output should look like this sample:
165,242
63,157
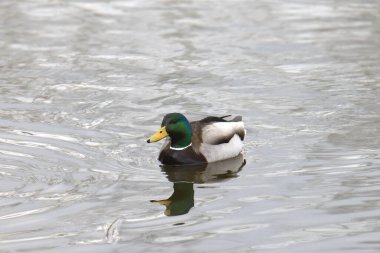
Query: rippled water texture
84,83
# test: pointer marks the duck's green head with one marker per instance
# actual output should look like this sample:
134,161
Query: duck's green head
177,127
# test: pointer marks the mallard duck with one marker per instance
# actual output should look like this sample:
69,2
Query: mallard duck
208,140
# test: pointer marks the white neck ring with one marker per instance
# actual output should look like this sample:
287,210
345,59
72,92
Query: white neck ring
182,147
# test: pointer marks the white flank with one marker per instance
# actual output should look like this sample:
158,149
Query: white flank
215,131
223,151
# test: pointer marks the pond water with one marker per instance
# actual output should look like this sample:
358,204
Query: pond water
84,83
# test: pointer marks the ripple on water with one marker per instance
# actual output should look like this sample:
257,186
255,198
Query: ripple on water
52,171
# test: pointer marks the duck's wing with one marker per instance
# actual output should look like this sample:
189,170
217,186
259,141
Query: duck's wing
222,139
217,130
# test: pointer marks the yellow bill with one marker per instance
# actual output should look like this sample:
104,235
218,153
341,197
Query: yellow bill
159,135
164,202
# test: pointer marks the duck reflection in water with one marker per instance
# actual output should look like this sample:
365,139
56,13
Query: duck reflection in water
184,177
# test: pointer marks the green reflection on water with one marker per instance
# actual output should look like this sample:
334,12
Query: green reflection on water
184,178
